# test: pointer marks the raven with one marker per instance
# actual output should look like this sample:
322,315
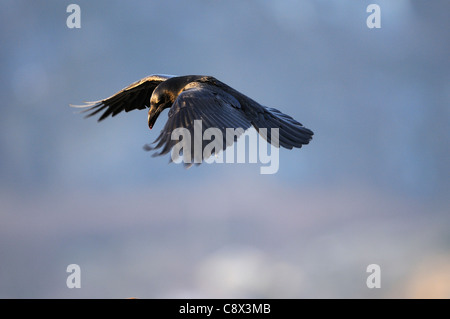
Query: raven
198,97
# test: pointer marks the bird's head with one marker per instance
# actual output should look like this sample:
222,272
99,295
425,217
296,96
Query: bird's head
160,100
166,93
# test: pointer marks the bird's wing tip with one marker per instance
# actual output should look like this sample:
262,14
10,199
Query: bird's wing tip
148,147
86,104
78,106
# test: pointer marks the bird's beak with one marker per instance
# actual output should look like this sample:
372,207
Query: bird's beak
152,116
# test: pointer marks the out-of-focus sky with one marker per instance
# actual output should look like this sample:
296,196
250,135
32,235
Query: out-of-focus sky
371,188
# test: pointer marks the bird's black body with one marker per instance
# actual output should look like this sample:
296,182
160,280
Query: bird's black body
198,97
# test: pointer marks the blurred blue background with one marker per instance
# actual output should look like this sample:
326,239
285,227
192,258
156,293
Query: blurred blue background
372,186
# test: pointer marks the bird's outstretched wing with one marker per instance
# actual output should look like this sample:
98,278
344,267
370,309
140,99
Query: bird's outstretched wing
215,109
291,133
136,96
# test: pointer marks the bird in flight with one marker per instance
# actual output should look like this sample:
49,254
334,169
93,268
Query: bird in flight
194,98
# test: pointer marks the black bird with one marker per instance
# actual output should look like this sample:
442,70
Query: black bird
199,97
